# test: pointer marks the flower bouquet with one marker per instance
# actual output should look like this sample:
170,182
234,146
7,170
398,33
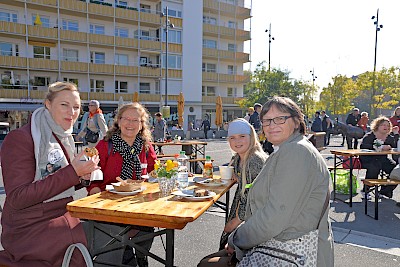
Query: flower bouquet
166,174
378,145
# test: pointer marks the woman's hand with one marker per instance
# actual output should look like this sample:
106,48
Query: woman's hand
232,224
230,250
84,168
386,147
234,178
395,129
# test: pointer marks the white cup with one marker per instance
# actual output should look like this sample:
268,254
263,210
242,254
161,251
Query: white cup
226,172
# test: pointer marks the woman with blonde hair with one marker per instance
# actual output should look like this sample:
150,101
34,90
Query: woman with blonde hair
247,161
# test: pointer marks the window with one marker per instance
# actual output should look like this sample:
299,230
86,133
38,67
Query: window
6,49
97,29
70,55
174,62
41,52
121,59
121,32
209,44
144,88
70,25
208,90
209,20
10,17
143,35
96,85
97,57
143,61
157,90
121,3
174,13
174,36
71,80
231,91
45,21
121,87
208,67
145,8
41,81
231,69
232,24
232,47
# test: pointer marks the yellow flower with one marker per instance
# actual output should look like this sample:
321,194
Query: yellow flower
169,165
157,165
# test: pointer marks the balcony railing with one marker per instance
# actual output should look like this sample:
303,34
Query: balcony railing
225,78
226,55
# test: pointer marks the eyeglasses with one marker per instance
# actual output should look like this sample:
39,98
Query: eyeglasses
92,105
276,120
126,120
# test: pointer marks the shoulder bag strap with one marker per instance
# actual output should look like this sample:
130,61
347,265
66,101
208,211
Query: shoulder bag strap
324,208
62,147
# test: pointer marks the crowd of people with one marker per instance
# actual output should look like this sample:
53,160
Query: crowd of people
282,194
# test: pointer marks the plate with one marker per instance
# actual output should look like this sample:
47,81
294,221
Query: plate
188,194
111,189
145,176
209,182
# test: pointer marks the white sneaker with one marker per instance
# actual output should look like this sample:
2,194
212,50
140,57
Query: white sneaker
363,195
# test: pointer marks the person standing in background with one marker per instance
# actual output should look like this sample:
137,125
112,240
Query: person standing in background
395,119
160,130
250,112
94,122
326,127
352,119
206,126
317,123
363,122
255,117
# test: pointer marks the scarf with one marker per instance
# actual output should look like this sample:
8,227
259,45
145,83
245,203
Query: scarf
98,111
130,156
48,152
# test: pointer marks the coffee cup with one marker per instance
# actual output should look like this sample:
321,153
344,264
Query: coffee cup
226,172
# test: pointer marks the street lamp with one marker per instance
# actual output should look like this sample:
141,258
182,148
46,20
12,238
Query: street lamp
313,77
166,108
270,39
377,29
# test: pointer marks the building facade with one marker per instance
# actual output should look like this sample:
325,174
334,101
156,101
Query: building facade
114,48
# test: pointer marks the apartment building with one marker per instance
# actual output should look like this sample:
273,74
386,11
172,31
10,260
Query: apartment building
114,48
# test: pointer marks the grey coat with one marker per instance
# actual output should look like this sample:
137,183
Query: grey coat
287,199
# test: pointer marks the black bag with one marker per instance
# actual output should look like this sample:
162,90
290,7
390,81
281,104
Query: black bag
91,137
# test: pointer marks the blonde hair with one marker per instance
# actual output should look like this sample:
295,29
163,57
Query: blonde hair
378,121
254,148
57,87
144,117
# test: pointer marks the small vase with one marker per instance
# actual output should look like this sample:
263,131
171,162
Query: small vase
378,148
166,185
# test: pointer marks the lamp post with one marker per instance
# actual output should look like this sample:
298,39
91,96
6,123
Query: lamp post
377,29
270,39
313,77
166,108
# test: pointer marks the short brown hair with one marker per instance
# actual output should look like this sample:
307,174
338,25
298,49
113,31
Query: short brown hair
56,87
378,121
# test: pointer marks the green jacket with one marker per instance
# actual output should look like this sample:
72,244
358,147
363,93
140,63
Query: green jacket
286,200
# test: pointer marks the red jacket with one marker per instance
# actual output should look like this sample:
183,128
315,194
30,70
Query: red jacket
35,233
395,121
111,164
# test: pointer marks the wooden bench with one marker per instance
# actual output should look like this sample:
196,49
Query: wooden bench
373,184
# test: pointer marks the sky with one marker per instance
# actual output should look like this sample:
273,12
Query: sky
331,37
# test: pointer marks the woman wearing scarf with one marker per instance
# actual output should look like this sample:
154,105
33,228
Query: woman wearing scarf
37,229
122,152
95,122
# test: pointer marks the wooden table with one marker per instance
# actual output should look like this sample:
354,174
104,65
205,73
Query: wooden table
144,209
194,149
353,153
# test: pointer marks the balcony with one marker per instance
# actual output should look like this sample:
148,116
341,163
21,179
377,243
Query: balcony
173,74
73,66
73,5
13,62
225,9
225,55
225,100
107,11
101,39
44,2
225,32
73,36
173,48
126,70
225,78
43,64
38,31
12,28
101,69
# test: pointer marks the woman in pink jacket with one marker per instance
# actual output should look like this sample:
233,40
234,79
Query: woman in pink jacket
41,173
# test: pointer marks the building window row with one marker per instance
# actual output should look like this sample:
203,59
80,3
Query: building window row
211,67
207,43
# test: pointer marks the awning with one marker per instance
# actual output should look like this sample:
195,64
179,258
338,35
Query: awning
19,106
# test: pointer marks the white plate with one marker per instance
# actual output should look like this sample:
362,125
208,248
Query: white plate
208,182
188,194
145,176
111,189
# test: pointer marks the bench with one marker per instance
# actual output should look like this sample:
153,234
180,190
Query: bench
373,184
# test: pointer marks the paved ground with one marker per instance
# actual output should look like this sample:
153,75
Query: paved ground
359,239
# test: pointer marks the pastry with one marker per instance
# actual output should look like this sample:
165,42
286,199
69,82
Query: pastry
128,185
201,192
91,151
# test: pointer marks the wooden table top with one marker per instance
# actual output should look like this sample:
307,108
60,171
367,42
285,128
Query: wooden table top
180,143
362,152
146,208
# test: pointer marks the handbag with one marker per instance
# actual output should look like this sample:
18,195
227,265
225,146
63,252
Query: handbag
91,137
346,163
83,250
300,251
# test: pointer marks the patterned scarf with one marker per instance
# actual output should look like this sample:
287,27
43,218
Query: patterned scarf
98,111
130,155
47,150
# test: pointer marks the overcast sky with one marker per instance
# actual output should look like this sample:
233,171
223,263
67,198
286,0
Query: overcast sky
333,37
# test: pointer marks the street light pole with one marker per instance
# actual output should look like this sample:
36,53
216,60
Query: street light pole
313,77
167,25
270,39
377,29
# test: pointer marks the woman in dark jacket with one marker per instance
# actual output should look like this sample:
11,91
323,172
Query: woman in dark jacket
381,129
